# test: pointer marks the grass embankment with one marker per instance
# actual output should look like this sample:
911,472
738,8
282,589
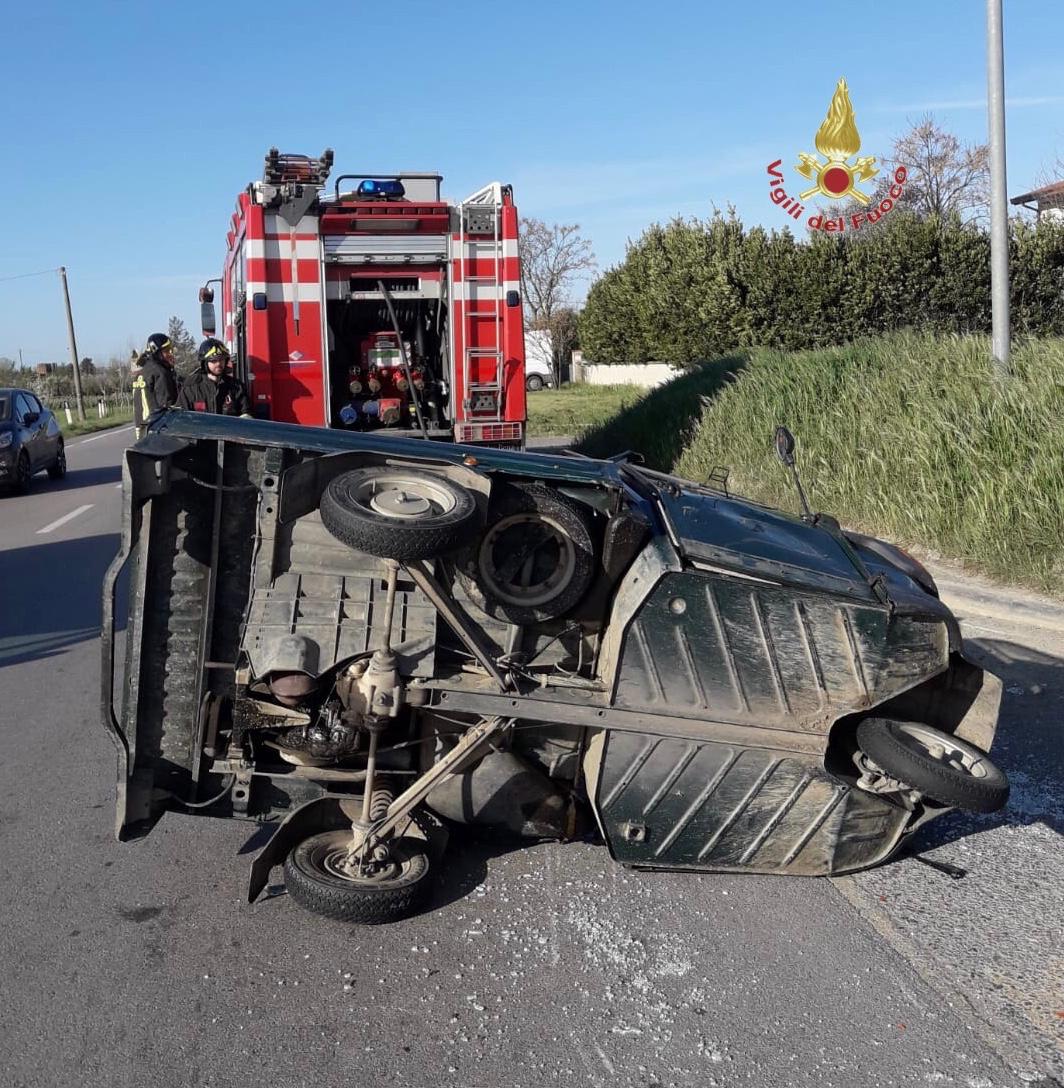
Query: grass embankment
660,422
607,419
92,422
904,435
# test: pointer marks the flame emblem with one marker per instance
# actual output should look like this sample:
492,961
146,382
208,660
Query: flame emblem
838,141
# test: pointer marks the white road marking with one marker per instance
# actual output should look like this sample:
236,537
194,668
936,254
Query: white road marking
105,434
65,518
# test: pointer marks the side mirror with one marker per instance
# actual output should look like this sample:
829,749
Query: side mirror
30,418
785,446
207,319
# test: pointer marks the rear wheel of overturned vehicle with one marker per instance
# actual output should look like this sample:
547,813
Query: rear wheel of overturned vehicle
391,884
399,513
942,767
537,558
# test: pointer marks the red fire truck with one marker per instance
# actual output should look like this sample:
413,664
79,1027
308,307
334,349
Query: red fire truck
376,304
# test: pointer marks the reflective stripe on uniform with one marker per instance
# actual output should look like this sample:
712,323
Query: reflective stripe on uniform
138,383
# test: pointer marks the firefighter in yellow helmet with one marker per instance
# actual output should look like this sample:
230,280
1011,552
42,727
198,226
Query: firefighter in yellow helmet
212,388
155,383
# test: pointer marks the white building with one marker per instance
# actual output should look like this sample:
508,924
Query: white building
1046,203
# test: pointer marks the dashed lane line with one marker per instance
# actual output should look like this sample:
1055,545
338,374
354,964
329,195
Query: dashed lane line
65,518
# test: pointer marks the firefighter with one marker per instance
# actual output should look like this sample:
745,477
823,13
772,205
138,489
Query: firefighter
155,385
212,388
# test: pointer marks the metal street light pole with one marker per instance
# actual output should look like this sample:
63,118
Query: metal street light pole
73,346
999,216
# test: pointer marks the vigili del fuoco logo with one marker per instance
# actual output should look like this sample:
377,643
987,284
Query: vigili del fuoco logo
835,177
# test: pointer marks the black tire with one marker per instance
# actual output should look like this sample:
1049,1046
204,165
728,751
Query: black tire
895,747
318,888
514,508
23,473
58,469
450,522
534,383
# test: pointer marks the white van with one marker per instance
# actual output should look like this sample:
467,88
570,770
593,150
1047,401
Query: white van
538,372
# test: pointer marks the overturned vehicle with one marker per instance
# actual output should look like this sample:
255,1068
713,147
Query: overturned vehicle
368,640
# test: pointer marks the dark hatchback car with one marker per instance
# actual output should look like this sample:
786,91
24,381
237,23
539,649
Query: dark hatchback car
30,440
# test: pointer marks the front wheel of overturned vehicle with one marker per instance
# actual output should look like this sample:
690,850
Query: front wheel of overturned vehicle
390,886
399,513
942,767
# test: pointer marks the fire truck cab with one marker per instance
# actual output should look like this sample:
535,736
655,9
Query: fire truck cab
376,305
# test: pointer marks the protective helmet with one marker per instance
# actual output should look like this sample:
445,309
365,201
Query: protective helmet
158,342
212,349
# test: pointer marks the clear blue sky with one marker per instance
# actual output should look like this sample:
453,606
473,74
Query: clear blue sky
129,128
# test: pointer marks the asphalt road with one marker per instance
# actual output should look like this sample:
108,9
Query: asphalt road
133,965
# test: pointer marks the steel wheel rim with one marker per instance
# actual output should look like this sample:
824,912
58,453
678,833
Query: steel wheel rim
539,593
942,748
402,496
333,859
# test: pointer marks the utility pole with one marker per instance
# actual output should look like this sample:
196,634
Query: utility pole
73,346
999,216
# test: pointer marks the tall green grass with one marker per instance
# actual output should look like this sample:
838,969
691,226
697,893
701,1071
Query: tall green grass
909,436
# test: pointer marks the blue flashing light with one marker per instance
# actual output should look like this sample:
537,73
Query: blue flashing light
385,188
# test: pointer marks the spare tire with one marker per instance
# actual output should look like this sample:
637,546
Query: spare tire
536,559
941,766
399,512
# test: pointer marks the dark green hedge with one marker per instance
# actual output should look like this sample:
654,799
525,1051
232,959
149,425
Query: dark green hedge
695,289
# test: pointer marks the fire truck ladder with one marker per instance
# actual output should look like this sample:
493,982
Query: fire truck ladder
479,237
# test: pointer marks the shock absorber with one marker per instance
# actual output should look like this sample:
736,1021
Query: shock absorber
381,683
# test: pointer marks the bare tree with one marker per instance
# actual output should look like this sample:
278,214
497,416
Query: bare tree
944,175
552,255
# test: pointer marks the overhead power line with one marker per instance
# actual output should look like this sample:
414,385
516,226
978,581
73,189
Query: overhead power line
27,275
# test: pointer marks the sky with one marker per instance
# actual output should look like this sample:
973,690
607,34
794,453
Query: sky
129,128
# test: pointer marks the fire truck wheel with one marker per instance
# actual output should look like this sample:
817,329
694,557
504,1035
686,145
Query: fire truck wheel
537,558
399,513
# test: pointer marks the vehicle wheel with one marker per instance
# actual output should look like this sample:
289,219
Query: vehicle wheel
399,513
537,558
23,475
392,887
534,383
58,470
943,767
